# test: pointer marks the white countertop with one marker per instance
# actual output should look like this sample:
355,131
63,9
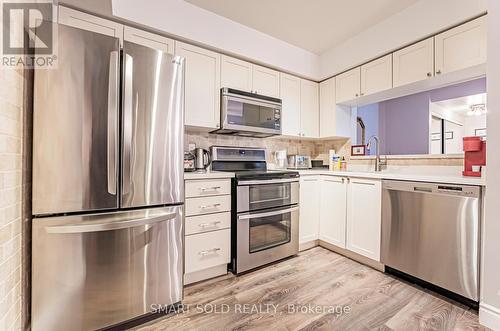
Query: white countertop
208,175
441,178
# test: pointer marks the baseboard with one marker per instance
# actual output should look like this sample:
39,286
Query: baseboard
198,276
308,244
489,316
353,256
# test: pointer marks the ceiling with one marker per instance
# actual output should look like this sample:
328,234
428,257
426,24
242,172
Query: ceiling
462,105
314,25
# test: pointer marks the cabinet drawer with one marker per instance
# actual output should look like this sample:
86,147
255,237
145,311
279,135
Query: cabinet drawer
206,250
203,188
206,223
208,205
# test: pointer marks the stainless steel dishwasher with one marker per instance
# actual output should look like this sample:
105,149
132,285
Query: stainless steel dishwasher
431,232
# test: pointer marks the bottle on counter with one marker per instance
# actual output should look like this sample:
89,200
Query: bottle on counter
331,157
343,164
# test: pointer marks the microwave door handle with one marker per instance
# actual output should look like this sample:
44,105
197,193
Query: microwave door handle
127,123
112,141
98,227
267,214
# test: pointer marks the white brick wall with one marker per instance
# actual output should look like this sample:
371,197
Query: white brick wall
11,143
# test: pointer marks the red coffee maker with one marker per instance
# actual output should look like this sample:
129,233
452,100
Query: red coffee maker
475,155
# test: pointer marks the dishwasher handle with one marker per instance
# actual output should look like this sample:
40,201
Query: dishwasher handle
432,188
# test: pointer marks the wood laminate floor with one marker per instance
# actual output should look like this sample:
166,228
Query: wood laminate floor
348,296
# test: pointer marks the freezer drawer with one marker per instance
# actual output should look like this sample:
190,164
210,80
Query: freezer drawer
431,231
94,271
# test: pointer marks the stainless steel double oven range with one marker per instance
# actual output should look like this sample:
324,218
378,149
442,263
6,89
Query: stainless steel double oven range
265,208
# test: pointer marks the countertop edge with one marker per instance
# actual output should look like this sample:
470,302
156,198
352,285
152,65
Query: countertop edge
208,175
406,177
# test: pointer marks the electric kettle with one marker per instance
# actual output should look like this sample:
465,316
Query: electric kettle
203,159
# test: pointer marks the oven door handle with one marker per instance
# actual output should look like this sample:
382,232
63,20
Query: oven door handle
270,181
271,213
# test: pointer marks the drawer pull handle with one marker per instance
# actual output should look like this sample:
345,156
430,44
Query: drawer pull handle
215,205
215,188
206,225
209,251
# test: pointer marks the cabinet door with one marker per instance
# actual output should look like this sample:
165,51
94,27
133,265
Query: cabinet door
309,109
332,224
266,81
290,111
202,84
347,85
77,19
461,47
309,209
327,108
376,76
413,63
364,199
148,39
236,74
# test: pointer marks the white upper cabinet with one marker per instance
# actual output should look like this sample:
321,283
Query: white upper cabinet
202,84
148,39
332,222
413,63
309,109
376,75
266,81
327,108
236,74
290,107
77,19
461,47
348,85
245,76
364,217
309,209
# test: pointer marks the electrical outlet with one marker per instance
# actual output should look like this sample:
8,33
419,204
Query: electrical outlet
191,147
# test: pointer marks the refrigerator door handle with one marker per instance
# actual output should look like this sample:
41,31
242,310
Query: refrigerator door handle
97,227
127,123
112,145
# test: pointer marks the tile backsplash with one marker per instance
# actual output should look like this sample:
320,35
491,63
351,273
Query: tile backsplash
317,149
11,148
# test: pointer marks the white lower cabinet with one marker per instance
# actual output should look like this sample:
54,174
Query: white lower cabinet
207,228
206,250
364,208
309,209
332,220
342,211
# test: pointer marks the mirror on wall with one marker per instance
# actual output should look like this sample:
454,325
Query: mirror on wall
431,122
453,119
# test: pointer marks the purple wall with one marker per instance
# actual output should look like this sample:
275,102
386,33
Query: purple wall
403,123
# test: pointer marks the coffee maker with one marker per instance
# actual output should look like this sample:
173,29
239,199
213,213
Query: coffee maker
475,155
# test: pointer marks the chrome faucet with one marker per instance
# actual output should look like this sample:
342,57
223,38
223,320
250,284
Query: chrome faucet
378,162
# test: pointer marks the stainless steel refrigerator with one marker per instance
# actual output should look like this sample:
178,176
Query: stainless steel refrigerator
107,183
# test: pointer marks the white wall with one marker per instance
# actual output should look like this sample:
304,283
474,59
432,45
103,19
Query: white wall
192,23
474,122
416,22
489,313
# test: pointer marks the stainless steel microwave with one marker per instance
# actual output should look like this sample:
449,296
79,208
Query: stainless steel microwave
249,114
